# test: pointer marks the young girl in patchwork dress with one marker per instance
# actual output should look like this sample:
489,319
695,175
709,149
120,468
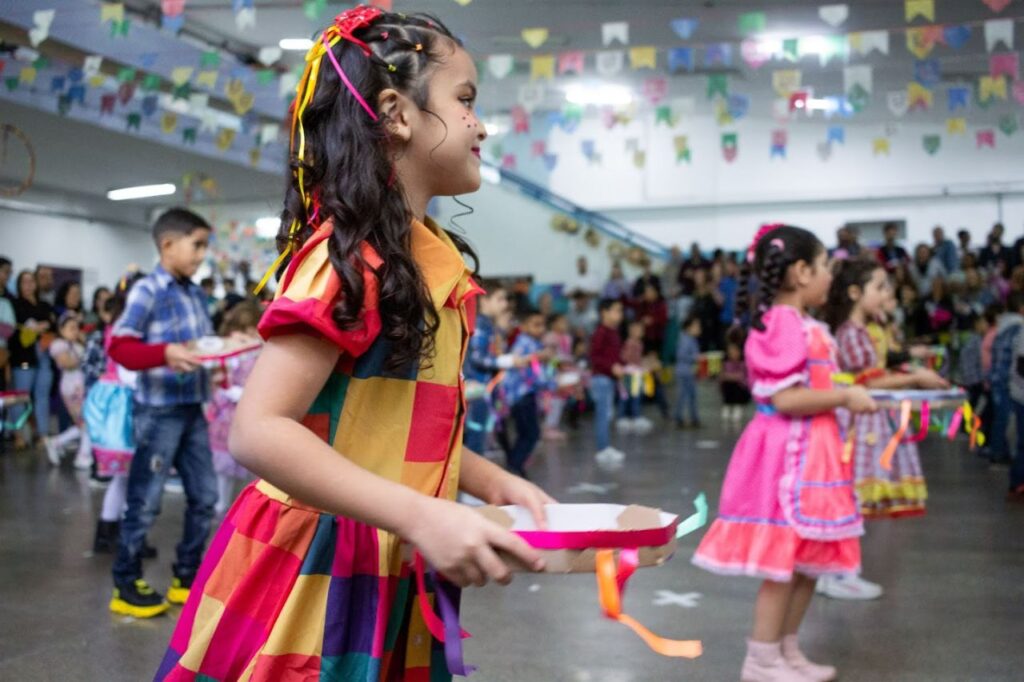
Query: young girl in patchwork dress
788,513
353,414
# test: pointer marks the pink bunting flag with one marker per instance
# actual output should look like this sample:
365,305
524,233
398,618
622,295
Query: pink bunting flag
655,89
107,103
1004,64
754,54
508,162
172,8
520,120
539,147
986,138
798,100
1018,92
571,62
997,5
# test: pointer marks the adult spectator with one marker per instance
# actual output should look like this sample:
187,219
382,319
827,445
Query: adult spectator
926,267
890,253
945,250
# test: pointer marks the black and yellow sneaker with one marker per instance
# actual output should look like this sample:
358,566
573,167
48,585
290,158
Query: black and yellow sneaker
138,600
179,590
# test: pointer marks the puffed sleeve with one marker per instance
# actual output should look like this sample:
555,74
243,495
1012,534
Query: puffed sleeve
308,293
777,357
856,351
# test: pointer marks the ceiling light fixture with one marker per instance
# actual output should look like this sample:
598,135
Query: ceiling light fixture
141,192
267,227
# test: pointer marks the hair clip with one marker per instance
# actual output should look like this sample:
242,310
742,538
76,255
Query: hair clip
777,243
419,47
384,35
392,68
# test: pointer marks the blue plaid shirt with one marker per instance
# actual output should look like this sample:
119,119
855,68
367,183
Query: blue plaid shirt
161,309
519,383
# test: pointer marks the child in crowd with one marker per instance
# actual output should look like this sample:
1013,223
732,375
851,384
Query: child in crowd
733,379
687,355
523,387
1009,327
606,370
240,323
788,513
558,343
632,383
68,351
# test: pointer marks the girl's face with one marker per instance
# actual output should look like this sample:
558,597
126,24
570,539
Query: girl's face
70,329
495,304
26,284
74,297
560,325
636,331
890,304
873,295
818,281
101,299
443,144
733,351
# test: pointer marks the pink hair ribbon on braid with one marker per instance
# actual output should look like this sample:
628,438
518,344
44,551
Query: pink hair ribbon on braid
765,229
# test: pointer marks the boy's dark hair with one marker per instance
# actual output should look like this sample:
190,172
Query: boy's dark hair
606,304
5,262
554,317
688,321
992,312
531,312
960,234
178,221
774,252
207,282
1014,302
736,335
855,272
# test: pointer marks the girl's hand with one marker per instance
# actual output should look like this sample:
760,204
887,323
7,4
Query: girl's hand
928,379
857,400
462,545
509,489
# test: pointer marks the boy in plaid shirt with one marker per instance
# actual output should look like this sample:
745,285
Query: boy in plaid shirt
165,310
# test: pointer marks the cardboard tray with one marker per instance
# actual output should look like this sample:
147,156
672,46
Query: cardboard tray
569,545
950,398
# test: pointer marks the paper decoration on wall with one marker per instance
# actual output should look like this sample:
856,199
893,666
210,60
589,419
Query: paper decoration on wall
722,115
663,114
680,59
91,66
508,162
754,54
730,146
313,9
864,42
520,120
779,140
76,93
956,126
125,92
824,150
268,133
791,49
655,89
269,55
542,66
531,95
538,147
41,22
931,143
208,79
500,65
898,102
682,147
188,135
225,137
172,23
919,8
834,15
254,156
550,161
243,103
245,14
997,5
750,23
611,118
787,81
921,41
684,27
998,31
168,122
571,117
738,105
880,146
861,76
609,62
1009,124
28,75
149,105
613,31
927,72
798,100
639,158
57,83
590,151
956,36
643,58
181,74
534,37
919,97
111,11
718,54
120,28
957,97
1005,64
718,84
571,62
1018,92
991,87
985,138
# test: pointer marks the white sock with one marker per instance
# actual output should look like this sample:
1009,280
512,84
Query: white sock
84,447
114,498
225,488
66,437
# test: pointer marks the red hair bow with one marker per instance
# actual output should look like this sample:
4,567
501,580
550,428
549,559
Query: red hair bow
351,20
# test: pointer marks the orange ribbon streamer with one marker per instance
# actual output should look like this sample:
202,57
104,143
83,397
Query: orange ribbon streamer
890,450
610,585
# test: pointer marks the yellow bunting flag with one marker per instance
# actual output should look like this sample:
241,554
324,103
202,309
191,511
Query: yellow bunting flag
787,81
181,74
880,146
254,156
919,97
243,103
921,41
97,81
542,66
643,57
207,79
535,37
112,11
168,122
224,139
28,75
919,8
722,114
956,126
639,158
991,86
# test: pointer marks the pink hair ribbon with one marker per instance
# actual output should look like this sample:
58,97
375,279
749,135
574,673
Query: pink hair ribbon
345,80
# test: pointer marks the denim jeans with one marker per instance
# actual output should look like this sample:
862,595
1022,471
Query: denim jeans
527,421
474,435
687,401
602,390
174,435
37,381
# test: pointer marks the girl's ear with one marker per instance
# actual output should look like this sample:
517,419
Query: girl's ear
853,292
396,114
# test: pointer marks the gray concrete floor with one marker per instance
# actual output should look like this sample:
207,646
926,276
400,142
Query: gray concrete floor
953,610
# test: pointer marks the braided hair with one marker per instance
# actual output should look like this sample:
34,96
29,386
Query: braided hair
854,272
773,254
347,169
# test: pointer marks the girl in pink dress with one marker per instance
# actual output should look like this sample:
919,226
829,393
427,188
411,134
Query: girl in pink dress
788,513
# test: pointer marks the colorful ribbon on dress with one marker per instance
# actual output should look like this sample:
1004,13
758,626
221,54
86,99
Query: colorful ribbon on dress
445,629
971,422
890,449
611,584
925,418
17,398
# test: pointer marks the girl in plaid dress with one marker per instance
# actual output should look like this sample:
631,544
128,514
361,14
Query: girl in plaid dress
353,413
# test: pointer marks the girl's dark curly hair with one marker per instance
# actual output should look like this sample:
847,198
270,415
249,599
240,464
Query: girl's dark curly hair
854,272
774,253
348,169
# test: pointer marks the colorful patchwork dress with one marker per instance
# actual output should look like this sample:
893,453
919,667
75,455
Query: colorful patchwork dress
787,503
901,491
287,592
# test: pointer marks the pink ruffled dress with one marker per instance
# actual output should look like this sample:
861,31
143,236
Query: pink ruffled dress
788,503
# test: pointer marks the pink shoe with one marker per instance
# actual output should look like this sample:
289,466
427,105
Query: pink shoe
796,659
764,663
